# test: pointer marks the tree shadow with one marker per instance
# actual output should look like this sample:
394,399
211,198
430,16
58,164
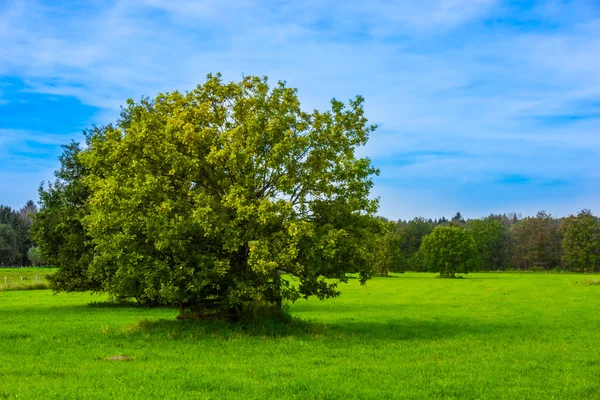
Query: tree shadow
406,329
124,304
469,276
401,329
413,275
347,326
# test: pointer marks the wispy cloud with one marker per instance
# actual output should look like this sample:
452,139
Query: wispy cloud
466,92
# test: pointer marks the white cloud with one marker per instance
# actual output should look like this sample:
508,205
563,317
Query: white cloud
435,76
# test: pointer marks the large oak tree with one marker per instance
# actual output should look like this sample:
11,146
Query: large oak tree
229,193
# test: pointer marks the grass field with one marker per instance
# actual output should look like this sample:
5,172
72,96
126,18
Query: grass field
23,278
499,336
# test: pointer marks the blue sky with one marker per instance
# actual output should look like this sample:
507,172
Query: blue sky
482,105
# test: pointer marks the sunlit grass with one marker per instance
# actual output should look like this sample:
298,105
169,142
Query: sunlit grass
509,336
24,278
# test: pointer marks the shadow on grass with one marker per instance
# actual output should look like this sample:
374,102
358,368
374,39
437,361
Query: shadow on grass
391,329
394,330
123,304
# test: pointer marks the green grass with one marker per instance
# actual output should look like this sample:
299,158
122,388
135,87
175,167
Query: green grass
24,278
488,336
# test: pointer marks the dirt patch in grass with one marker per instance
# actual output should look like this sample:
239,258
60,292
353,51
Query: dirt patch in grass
588,282
119,358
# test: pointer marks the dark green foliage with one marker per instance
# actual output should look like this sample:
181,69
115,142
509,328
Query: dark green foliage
536,241
449,250
581,242
58,225
8,245
20,222
388,255
457,220
210,196
491,238
411,235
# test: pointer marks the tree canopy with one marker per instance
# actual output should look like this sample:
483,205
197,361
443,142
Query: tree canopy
538,242
8,244
411,235
581,242
213,194
449,250
20,222
387,251
58,225
491,238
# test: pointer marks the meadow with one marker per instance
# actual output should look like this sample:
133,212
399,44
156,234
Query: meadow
24,278
489,335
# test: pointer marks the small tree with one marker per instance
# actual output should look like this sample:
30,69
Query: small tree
35,256
449,250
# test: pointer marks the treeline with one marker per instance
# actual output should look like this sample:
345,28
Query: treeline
16,245
504,242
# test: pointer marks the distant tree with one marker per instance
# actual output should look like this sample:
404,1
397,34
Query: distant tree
20,223
506,220
514,217
411,235
458,219
491,238
581,242
449,250
8,245
537,242
388,255
28,212
35,256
